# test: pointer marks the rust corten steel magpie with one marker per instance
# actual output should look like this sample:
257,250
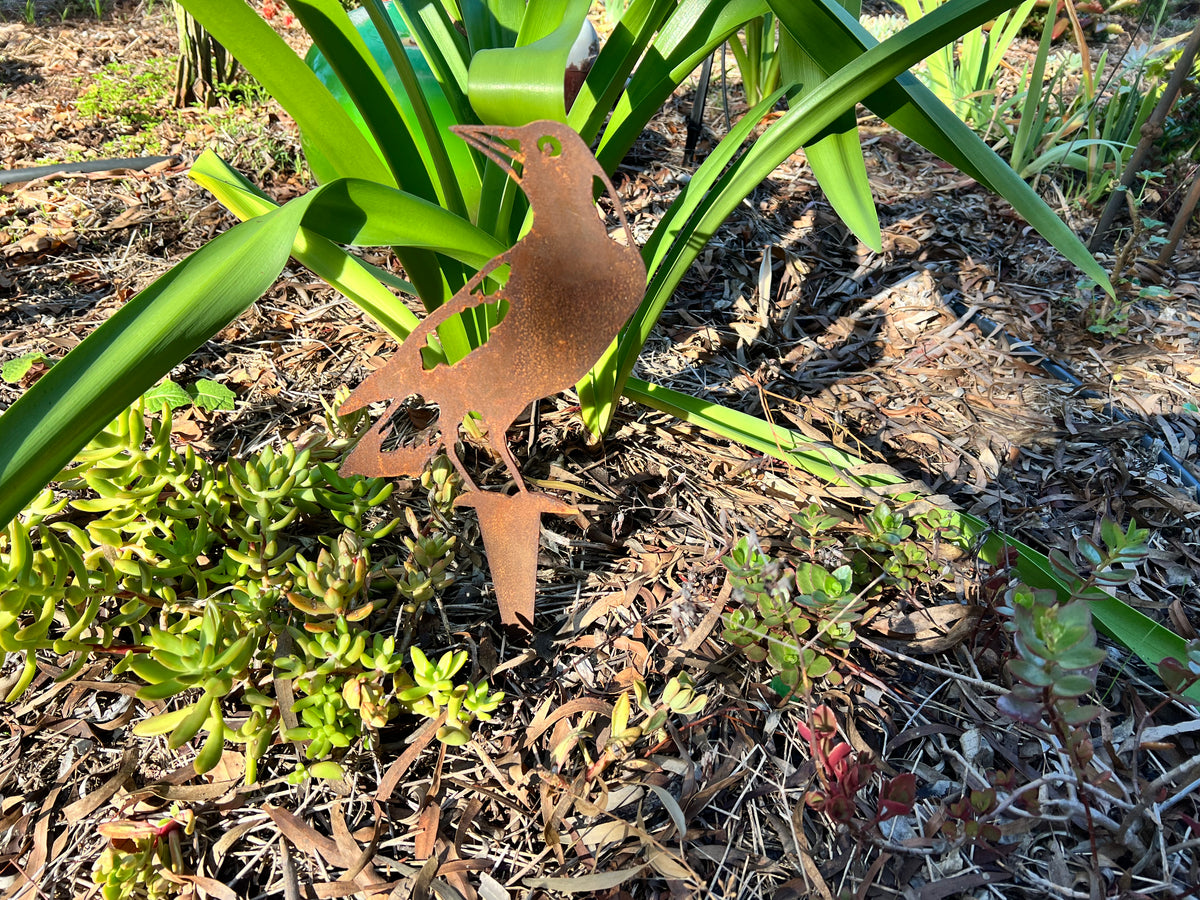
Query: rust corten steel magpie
569,290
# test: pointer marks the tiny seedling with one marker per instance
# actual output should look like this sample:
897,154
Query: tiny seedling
841,774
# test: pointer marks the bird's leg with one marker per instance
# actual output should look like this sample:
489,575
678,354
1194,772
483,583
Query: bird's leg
499,440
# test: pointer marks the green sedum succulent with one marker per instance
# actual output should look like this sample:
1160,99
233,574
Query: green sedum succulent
139,853
431,688
197,577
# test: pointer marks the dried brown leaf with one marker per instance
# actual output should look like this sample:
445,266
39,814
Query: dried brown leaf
586,884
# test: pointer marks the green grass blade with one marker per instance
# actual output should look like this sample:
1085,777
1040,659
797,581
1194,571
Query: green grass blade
1033,109
1006,29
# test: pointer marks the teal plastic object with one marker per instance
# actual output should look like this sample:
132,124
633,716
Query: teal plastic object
459,153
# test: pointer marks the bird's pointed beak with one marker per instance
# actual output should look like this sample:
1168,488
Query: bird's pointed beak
491,141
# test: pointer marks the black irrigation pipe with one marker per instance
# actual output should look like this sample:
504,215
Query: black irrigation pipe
20,176
1029,353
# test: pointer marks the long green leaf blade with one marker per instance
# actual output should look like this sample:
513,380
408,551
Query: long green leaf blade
492,23
618,56
693,31
835,157
833,37
446,180
354,279
518,85
346,52
363,213
444,49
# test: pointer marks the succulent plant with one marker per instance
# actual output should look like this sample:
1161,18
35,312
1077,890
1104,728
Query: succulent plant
333,584
139,852
328,720
431,688
814,524
426,571
787,612
192,573
679,697
442,482
214,656
779,605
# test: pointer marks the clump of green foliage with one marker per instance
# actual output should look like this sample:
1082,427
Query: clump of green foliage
789,610
135,101
198,577
139,852
127,95
1056,657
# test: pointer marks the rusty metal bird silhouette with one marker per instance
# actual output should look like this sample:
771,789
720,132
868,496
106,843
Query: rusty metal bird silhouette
570,288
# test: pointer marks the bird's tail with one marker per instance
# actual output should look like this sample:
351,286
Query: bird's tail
369,458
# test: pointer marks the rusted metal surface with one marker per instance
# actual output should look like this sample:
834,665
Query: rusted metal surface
510,525
570,288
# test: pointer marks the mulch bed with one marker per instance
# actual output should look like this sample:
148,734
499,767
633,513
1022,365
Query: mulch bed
784,315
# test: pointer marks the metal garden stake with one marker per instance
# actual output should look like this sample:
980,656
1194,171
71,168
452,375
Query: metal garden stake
569,290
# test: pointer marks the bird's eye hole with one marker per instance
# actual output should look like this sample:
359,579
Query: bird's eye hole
549,145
